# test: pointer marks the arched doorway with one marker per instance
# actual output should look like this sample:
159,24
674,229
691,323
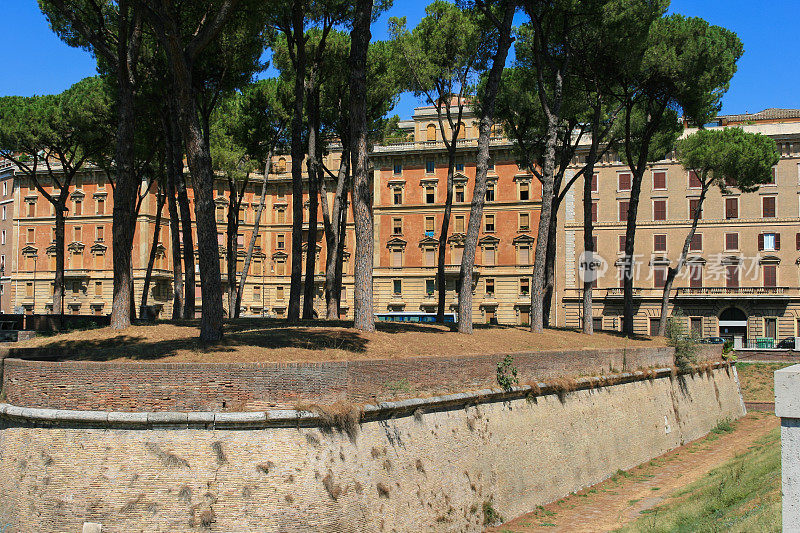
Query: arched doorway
733,325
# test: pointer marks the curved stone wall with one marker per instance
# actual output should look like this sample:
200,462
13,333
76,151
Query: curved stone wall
152,386
423,465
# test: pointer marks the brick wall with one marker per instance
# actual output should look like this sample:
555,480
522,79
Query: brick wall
150,386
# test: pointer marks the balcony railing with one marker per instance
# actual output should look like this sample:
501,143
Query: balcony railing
692,292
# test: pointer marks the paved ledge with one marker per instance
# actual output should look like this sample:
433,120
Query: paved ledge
12,415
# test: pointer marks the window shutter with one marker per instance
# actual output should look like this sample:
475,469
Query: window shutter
797,241
777,241
760,242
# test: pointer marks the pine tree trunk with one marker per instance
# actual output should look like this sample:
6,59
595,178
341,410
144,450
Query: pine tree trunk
362,184
630,236
550,263
125,196
295,286
587,325
332,225
58,282
672,273
314,178
482,167
339,269
256,228
152,258
441,286
199,159
174,231
185,217
231,233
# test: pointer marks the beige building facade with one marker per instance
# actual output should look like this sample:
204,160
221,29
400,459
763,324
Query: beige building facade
742,278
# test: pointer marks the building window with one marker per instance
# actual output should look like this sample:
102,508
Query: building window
397,226
694,180
524,286
489,256
459,193
623,210
280,190
594,211
731,208
220,214
279,292
594,184
770,273
280,267
98,288
524,191
430,132
624,181
660,180
78,207
99,233
31,209
768,206
397,257
430,287
430,166
732,276
524,221
695,272
29,289
654,321
281,243
622,243
398,168
101,206
490,165
490,192
457,253
694,204
524,254
429,226
696,244
731,241
659,210
489,224
659,243
281,218
489,287
458,226
460,164
257,293
430,194
429,256
31,235
769,242
77,234
659,276
4,212
771,328
397,287
240,240
5,188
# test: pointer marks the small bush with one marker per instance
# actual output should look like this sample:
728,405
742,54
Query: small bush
507,373
490,515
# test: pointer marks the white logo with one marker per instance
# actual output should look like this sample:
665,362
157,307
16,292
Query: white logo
591,266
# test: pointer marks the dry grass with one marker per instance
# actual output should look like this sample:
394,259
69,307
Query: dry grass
758,380
270,340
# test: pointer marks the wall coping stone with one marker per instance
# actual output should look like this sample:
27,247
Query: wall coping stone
15,415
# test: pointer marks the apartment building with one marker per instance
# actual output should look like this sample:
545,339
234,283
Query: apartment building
410,190
7,249
742,278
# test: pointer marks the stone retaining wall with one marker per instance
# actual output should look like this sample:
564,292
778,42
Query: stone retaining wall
152,386
433,468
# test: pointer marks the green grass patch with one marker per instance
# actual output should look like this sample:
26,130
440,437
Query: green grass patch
742,495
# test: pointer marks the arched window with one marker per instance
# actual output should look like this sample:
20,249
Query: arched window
281,167
431,130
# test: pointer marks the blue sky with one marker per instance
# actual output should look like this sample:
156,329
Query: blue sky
35,61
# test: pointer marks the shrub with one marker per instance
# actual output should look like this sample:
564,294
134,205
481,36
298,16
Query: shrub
507,373
685,345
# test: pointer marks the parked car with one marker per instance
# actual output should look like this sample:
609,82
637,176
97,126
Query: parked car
787,343
712,340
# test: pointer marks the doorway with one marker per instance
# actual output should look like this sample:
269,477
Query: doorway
733,326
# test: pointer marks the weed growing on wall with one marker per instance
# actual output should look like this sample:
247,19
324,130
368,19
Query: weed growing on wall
507,373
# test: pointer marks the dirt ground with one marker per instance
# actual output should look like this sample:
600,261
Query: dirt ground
621,499
248,340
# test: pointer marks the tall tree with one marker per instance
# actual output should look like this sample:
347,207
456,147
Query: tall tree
112,31
500,15
362,184
185,34
260,128
724,158
441,56
50,139
687,65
